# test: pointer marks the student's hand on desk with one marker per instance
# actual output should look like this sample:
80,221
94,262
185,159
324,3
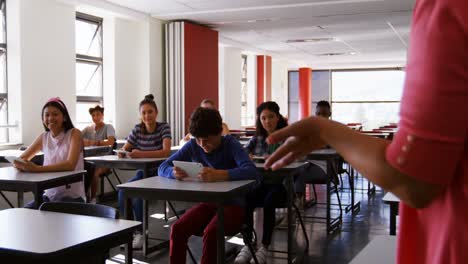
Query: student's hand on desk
88,142
135,153
178,173
26,166
122,155
213,175
299,139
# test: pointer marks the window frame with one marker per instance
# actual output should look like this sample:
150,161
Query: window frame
93,60
4,96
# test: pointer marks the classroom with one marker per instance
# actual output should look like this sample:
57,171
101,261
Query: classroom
251,131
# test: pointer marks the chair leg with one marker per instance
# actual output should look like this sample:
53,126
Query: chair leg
110,182
101,187
315,192
299,216
6,200
117,176
248,243
339,203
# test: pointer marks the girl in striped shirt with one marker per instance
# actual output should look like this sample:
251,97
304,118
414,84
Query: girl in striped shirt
149,139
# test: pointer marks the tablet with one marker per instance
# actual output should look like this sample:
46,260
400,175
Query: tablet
12,159
191,168
121,151
259,159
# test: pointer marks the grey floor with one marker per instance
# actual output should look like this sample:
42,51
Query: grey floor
357,230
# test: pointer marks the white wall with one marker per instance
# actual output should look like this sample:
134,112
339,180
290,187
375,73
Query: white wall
131,73
279,84
41,63
157,77
230,76
41,60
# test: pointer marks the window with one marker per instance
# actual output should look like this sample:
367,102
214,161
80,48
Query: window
4,137
370,97
247,119
89,83
320,89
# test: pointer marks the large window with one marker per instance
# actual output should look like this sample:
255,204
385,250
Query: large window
4,137
89,83
370,97
245,115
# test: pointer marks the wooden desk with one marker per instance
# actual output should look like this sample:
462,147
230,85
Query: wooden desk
33,236
160,188
14,180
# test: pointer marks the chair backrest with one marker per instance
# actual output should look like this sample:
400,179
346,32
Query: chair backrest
81,209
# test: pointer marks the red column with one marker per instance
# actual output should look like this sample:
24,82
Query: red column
267,78
260,79
305,92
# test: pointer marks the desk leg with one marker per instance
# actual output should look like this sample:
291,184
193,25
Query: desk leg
290,198
220,234
20,199
393,214
145,218
353,207
129,251
38,197
128,215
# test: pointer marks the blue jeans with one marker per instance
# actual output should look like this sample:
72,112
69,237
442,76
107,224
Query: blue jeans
268,196
137,203
32,204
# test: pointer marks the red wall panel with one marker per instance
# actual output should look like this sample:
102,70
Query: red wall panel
200,66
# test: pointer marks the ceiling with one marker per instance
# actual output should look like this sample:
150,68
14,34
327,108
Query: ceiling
350,33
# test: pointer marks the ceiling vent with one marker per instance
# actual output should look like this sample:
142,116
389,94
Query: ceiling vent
310,40
329,54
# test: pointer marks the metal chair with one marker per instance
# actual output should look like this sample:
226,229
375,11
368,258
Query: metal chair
97,210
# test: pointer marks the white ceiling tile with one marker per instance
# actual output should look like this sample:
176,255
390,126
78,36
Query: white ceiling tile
267,24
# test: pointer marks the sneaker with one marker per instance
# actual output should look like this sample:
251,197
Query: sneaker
93,201
261,255
299,202
244,256
137,242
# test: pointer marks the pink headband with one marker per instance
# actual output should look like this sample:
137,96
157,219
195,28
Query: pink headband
57,100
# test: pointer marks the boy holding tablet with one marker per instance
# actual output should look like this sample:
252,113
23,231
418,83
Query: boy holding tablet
224,160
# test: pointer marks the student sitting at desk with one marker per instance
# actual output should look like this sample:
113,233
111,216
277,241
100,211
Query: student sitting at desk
315,168
224,160
206,103
149,139
266,195
97,134
62,146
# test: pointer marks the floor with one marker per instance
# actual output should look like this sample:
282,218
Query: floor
357,230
